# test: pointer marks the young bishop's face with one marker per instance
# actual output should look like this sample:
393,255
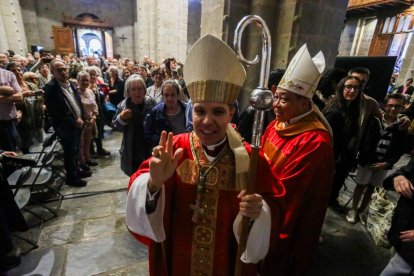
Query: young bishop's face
210,121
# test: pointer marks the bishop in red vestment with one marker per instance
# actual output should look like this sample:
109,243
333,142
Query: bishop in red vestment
298,149
186,202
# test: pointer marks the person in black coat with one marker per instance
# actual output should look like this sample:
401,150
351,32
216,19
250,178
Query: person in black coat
401,233
65,111
381,147
11,219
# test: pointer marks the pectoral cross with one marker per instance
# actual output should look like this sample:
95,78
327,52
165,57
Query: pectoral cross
197,210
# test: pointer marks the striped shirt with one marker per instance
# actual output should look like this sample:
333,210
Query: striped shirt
386,137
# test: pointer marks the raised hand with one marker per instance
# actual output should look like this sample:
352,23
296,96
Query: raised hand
164,161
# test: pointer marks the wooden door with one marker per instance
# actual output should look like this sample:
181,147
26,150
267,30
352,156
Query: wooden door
380,45
63,39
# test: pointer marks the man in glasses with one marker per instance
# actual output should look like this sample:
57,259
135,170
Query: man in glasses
381,147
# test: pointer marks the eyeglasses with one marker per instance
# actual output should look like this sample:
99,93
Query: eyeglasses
349,87
396,106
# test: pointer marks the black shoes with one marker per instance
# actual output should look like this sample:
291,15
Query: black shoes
76,183
84,167
103,152
91,163
84,174
9,262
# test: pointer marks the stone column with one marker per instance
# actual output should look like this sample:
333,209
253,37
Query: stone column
31,28
13,26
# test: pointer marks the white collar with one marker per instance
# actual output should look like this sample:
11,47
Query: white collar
298,118
213,147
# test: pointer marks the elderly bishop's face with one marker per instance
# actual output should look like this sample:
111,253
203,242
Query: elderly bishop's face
210,121
288,105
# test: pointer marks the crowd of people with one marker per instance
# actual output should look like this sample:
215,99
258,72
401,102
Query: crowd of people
184,147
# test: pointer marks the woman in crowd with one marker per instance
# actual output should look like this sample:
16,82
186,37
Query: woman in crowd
343,113
30,126
168,115
116,86
90,109
126,72
96,85
129,119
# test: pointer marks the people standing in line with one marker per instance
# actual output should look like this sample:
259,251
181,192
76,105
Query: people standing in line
406,89
44,75
30,111
343,114
116,86
90,109
381,147
168,115
401,233
96,85
297,155
10,93
154,91
65,110
365,109
183,201
129,119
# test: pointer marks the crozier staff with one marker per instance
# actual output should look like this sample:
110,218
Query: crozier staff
186,201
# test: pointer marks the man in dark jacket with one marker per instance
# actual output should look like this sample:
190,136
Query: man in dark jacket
10,219
401,233
65,111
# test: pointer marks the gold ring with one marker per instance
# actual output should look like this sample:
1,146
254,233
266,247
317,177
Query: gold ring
155,153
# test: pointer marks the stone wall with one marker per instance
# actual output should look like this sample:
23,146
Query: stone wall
151,27
12,32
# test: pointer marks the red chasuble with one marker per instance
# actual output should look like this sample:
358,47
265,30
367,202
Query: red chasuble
208,246
301,160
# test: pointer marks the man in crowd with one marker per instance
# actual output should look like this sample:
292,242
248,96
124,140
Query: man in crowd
154,91
4,59
401,233
298,149
187,196
65,111
10,93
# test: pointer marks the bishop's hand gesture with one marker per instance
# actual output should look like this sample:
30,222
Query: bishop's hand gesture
164,162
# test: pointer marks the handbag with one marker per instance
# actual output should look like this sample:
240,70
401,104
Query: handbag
379,217
109,111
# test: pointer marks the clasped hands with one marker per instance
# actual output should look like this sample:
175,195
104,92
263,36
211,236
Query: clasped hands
164,162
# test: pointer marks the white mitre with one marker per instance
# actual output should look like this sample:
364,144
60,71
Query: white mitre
303,73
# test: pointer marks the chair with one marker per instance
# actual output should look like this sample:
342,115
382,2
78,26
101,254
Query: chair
22,196
39,178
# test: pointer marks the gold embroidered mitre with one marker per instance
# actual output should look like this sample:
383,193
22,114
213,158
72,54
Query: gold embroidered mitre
213,72
303,73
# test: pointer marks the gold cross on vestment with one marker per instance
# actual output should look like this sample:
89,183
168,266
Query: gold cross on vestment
197,210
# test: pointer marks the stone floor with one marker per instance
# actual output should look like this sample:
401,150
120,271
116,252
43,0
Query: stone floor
89,237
